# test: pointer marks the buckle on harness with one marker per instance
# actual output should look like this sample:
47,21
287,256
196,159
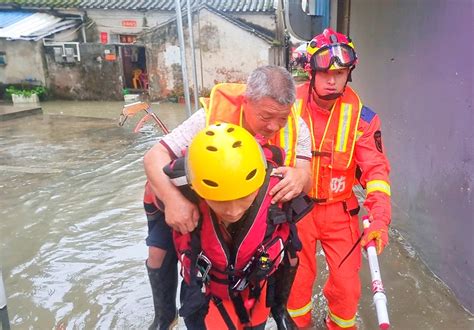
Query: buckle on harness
255,270
276,215
203,265
241,284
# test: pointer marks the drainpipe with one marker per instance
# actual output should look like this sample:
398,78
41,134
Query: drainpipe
343,16
200,50
280,58
193,55
4,321
83,29
184,68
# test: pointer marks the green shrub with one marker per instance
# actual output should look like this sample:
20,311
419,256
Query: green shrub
41,91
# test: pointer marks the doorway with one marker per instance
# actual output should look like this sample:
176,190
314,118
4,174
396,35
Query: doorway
135,74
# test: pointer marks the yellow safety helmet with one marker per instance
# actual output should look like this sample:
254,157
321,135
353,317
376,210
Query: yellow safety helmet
224,162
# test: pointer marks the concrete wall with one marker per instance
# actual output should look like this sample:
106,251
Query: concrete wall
111,21
227,52
24,62
224,52
163,61
93,78
416,70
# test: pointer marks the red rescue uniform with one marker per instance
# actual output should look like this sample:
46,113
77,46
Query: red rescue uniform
236,256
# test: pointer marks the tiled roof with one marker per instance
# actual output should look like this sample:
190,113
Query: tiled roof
222,5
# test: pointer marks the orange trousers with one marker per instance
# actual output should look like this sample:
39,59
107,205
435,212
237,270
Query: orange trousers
258,314
337,232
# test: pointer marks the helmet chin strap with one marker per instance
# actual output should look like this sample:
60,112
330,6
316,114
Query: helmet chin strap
327,97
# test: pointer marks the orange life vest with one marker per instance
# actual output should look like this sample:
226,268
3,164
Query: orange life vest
225,104
333,165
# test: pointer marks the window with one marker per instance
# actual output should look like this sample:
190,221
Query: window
3,58
127,39
114,38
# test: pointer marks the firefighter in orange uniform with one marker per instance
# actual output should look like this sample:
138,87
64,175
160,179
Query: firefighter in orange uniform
347,150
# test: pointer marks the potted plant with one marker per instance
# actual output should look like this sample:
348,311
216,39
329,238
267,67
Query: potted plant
26,95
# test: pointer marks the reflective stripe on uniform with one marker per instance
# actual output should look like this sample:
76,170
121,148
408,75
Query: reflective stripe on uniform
378,185
286,140
301,311
297,107
356,137
344,127
342,322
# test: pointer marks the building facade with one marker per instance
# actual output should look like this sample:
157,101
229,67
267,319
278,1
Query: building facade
130,45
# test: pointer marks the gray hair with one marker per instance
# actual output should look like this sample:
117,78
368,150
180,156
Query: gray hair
271,81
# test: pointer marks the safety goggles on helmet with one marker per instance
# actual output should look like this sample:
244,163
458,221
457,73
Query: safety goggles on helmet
332,57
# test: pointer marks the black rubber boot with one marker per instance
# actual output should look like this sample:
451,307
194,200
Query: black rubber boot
194,306
285,275
164,283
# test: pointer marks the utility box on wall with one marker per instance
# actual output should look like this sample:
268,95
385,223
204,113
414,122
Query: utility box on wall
65,52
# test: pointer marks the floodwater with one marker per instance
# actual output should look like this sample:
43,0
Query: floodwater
72,229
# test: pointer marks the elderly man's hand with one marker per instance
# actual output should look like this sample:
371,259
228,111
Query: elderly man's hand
181,214
292,183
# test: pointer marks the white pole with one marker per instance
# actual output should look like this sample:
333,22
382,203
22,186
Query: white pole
184,68
3,306
380,300
193,55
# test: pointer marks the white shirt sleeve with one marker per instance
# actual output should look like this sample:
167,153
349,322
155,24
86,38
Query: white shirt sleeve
180,137
303,144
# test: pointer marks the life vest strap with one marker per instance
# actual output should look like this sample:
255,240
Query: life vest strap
218,280
276,215
316,153
176,171
239,307
352,212
225,316
298,207
319,200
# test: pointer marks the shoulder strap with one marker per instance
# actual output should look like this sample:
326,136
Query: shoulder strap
192,298
298,207
275,154
177,174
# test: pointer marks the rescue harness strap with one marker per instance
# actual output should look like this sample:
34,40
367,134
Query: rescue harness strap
224,314
316,153
352,213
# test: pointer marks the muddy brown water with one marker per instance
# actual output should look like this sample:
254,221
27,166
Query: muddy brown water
72,229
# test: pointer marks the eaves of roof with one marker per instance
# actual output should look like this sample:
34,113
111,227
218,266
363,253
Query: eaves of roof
260,33
162,5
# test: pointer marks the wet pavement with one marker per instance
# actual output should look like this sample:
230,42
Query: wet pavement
9,111
72,229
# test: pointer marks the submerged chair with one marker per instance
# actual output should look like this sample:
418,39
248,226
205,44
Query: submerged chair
136,82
